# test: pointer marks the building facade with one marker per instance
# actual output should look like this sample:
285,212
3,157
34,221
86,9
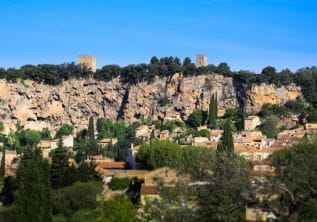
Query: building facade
88,61
201,61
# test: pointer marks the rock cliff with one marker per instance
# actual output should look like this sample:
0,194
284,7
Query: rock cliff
36,106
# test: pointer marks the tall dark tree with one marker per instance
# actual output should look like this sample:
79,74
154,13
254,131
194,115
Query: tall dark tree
295,183
226,145
92,147
3,167
212,114
33,198
59,166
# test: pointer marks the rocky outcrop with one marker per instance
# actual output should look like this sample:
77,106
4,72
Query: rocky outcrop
36,105
271,94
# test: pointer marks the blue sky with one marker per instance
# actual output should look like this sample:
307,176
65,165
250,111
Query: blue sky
248,34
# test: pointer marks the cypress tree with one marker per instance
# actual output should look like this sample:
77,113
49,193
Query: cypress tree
216,106
226,146
33,198
91,128
243,119
3,166
212,114
92,147
59,167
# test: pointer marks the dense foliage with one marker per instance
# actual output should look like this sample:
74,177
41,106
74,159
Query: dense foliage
295,182
119,183
226,145
163,153
213,112
33,198
65,130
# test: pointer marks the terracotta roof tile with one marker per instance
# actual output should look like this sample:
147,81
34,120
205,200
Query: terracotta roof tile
111,165
148,190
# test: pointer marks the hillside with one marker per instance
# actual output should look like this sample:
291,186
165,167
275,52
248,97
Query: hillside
35,105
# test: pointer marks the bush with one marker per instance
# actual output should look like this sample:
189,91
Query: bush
29,137
197,118
164,101
202,133
119,183
65,130
76,197
46,134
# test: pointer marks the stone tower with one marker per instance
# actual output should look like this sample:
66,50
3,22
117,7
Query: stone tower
201,61
88,61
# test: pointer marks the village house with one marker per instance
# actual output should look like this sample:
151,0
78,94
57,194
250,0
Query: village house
172,116
200,141
262,168
311,126
257,214
10,162
48,145
251,122
290,121
149,190
254,153
106,141
144,131
164,135
215,135
253,139
289,137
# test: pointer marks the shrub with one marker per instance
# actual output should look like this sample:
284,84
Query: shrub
65,130
76,197
119,183
164,101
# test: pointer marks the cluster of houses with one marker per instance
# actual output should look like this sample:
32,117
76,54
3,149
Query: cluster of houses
251,144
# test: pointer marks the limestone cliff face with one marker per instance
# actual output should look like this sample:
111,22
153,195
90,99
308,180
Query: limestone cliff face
271,94
36,106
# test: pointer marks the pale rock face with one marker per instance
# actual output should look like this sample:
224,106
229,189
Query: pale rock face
37,106
271,94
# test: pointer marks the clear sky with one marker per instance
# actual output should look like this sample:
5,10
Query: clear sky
248,34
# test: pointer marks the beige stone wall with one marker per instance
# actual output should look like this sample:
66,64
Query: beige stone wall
88,61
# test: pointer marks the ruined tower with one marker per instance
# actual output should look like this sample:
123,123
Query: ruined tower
201,61
88,61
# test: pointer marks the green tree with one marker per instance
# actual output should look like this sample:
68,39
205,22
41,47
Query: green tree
196,119
312,118
46,134
29,137
59,166
218,196
226,145
65,130
33,198
223,68
79,196
8,190
119,183
120,209
92,147
269,126
1,127
159,153
295,182
212,113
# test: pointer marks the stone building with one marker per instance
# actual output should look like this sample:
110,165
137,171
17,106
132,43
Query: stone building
251,122
88,61
201,61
